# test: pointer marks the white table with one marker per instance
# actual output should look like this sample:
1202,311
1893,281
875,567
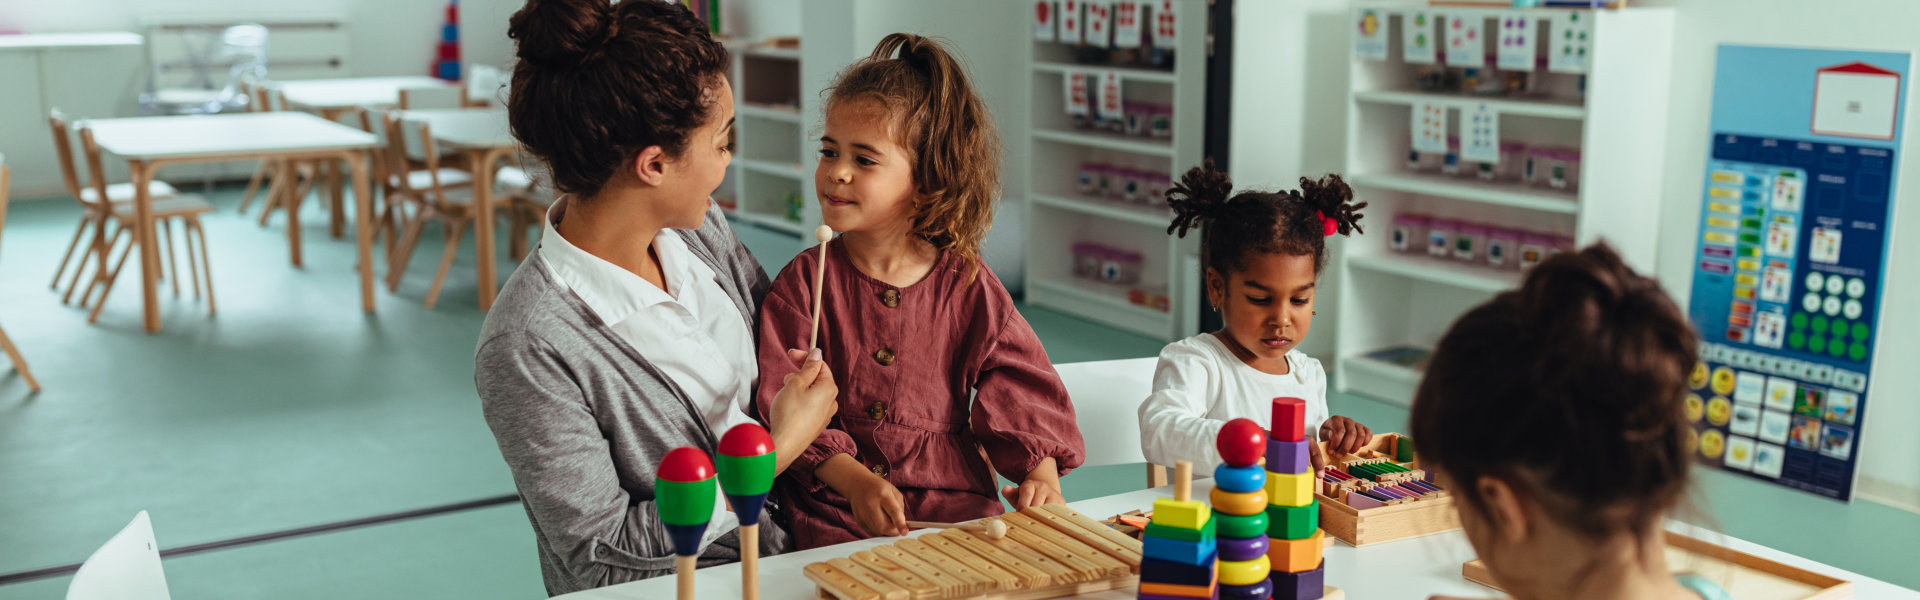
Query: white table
483,135
149,143
334,97
1419,566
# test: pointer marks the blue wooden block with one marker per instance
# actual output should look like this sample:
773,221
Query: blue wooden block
1176,573
1191,553
1288,457
1240,480
1305,585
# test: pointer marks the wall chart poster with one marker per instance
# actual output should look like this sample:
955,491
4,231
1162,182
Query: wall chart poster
1792,260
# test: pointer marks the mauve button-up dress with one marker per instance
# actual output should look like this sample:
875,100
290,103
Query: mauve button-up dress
937,379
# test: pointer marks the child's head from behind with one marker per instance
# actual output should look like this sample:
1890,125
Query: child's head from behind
1554,413
613,96
1263,251
909,148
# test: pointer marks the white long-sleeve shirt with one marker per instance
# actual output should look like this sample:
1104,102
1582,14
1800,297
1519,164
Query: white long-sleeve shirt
1199,385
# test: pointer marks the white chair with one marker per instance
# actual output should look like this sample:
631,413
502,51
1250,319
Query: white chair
1106,406
13,354
127,567
438,96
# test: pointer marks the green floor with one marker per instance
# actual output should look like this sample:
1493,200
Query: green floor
291,408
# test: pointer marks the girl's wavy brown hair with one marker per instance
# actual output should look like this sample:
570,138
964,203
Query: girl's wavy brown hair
943,122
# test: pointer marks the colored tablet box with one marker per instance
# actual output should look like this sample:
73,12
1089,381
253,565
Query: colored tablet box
1286,489
1258,591
1402,449
1244,572
1241,526
1293,556
1192,553
1307,584
1177,573
1229,503
1289,457
1204,533
1184,515
1289,419
1242,549
1240,480
1293,522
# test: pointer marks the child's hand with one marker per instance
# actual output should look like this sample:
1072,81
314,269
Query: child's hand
1344,436
1042,486
877,505
802,409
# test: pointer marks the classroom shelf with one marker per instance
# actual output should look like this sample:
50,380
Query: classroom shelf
771,112
1108,141
1552,108
792,54
1110,209
777,223
791,171
1469,189
1107,303
1382,380
1438,270
1127,75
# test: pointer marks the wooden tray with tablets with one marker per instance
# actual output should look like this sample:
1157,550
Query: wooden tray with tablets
1745,576
1372,524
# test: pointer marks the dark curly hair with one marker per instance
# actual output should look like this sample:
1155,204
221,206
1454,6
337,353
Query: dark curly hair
1571,389
1255,222
597,83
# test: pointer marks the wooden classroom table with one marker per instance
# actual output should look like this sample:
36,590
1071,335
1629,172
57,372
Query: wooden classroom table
149,143
332,98
1409,569
481,134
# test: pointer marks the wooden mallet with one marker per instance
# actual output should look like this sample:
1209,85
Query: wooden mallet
824,233
994,528
746,475
683,494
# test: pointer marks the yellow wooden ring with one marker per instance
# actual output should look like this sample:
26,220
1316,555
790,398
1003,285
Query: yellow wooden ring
1244,572
1229,503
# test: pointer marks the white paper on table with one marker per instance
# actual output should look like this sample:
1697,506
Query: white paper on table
1077,100
1416,37
1480,134
1110,96
1429,127
1071,31
1371,40
1099,19
1519,33
1045,21
1166,25
1466,47
1572,42
1127,16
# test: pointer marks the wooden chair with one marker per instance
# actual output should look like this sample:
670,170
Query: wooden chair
437,195
185,208
254,93
292,179
95,213
13,354
439,96
532,194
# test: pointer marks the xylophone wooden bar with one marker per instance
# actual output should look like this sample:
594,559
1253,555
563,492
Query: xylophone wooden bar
1048,552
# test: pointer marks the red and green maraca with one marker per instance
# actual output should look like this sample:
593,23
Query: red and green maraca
747,467
684,495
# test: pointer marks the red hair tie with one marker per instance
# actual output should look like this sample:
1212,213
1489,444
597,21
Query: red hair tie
1328,225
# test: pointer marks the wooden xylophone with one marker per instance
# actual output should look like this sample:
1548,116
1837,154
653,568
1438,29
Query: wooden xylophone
1049,551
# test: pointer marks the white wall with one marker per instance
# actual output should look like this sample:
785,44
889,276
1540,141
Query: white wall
1889,452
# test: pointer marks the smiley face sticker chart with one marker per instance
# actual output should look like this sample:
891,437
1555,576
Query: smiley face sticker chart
1790,265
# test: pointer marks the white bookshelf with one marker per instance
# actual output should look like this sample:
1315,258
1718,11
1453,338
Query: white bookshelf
769,160
1386,299
1058,216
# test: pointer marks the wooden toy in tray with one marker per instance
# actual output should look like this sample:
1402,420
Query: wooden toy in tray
1743,575
1049,551
1362,518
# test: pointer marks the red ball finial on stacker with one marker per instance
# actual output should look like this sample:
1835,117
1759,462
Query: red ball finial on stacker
1241,442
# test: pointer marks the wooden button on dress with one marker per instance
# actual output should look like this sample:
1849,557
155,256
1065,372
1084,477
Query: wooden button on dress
877,411
884,356
891,298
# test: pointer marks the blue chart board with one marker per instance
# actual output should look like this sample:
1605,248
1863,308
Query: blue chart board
1792,259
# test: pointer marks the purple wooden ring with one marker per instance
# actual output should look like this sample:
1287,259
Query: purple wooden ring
1258,591
1242,549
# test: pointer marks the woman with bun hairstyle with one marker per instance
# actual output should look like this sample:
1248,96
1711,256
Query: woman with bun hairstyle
629,332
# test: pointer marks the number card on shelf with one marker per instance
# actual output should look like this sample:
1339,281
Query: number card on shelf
1126,23
1071,29
1371,41
1044,20
1572,42
1429,127
1518,34
1110,108
1416,38
1480,134
1465,46
1166,26
1099,20
1078,103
